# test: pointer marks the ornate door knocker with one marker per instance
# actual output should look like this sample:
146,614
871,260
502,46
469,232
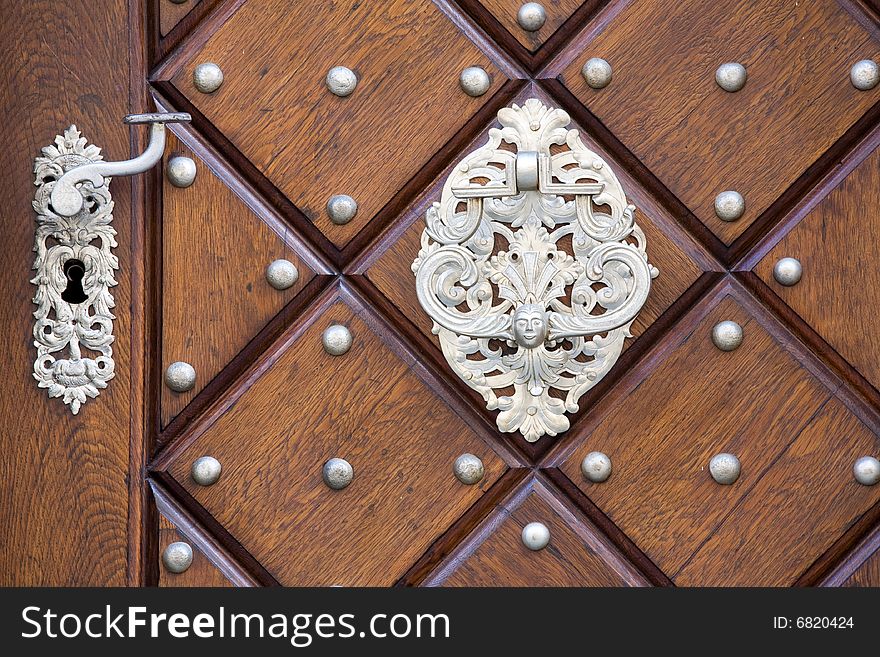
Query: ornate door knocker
532,269
75,271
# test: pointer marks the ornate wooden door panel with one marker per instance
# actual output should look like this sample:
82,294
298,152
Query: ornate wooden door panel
294,420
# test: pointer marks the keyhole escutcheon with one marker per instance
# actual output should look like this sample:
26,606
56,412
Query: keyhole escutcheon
74,270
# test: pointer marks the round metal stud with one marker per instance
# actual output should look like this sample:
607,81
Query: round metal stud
729,205
205,470
342,208
180,377
787,271
207,77
597,72
181,171
727,335
282,274
531,17
337,473
474,81
731,76
596,467
341,81
724,468
336,339
866,470
865,74
177,557
468,469
535,536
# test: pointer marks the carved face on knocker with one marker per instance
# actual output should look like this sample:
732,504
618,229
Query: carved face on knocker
530,325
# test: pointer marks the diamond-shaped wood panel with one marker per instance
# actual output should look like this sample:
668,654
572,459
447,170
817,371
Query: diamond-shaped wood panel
275,107
663,102
796,441
839,291
215,296
305,406
577,554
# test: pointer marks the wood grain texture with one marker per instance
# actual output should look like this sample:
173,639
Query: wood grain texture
215,296
558,12
753,402
64,508
665,106
367,407
201,573
840,289
171,13
795,512
275,107
577,555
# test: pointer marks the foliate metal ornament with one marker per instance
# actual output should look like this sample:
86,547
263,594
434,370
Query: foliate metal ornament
511,308
535,536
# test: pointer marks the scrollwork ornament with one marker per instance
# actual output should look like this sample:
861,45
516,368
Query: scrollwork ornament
532,275
73,339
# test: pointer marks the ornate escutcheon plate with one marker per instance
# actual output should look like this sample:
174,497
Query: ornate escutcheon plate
532,269
73,321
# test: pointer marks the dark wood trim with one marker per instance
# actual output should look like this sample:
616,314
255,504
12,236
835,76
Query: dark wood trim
854,560
617,537
191,32
464,529
206,534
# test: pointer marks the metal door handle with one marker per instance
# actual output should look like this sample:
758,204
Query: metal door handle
74,275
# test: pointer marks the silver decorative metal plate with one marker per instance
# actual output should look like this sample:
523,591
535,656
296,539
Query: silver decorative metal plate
81,331
532,269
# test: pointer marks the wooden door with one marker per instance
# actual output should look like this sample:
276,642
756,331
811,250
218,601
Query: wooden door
281,160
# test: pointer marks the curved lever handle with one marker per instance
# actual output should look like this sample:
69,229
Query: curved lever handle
66,198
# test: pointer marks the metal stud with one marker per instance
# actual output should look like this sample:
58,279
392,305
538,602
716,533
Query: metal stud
597,72
205,470
337,473
535,536
177,557
342,208
866,470
468,469
474,81
180,376
207,77
282,274
596,467
865,74
729,205
727,335
336,339
787,271
341,81
724,468
531,17
731,76
181,171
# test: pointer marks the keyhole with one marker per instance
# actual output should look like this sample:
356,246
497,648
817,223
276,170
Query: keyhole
74,270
